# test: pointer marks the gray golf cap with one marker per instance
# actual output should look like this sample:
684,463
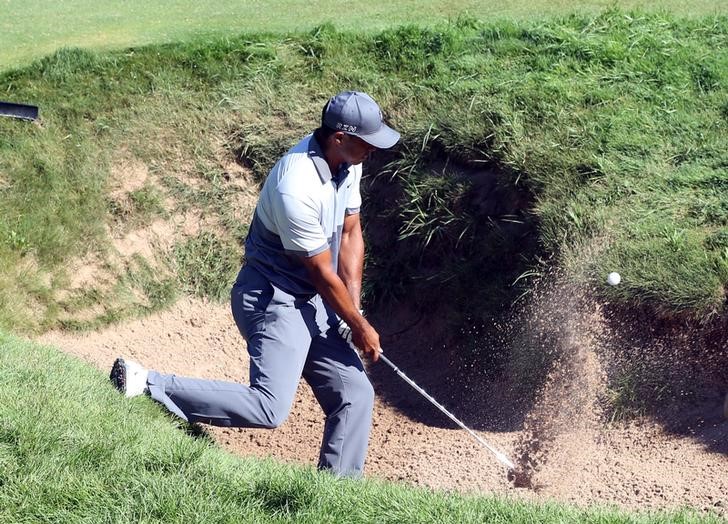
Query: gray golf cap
358,114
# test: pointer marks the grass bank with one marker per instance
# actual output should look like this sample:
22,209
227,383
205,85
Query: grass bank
34,28
73,450
590,142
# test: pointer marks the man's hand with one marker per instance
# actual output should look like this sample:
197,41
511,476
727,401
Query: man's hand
365,339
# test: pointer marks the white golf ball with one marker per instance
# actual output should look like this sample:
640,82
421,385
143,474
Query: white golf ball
613,278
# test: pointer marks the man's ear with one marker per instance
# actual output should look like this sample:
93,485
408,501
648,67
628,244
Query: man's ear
338,137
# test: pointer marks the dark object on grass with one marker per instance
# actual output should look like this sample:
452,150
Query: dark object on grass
24,111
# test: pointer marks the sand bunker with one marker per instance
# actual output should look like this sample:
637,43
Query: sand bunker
569,452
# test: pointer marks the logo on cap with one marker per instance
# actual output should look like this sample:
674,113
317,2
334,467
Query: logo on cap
347,128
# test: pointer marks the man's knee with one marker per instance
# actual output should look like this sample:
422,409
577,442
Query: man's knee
275,421
352,392
268,412
362,393
274,415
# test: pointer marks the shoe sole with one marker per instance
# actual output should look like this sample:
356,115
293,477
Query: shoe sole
118,375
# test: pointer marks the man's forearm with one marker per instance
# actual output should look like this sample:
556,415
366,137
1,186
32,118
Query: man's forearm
333,289
351,263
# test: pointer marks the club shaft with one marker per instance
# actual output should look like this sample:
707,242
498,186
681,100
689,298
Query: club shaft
498,455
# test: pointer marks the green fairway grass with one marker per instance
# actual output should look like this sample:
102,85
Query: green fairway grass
72,449
30,29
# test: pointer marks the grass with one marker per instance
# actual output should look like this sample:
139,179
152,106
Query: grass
139,207
34,28
73,450
603,137
206,265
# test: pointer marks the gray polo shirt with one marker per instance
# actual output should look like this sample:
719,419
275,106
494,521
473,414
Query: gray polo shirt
300,212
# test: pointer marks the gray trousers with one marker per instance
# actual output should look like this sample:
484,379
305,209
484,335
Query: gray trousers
288,337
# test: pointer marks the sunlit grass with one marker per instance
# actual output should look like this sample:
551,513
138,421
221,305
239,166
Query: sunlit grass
30,29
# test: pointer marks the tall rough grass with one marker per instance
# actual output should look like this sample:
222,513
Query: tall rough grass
606,133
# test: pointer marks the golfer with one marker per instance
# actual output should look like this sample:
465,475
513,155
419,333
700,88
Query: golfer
296,298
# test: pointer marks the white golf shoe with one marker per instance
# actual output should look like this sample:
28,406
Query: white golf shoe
129,377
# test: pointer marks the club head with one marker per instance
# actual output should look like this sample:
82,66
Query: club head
520,478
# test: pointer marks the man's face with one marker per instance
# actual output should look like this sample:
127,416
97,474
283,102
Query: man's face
353,149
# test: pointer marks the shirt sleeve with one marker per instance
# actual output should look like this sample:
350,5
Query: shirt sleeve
353,204
298,226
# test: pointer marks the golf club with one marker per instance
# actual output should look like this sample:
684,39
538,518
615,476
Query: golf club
498,455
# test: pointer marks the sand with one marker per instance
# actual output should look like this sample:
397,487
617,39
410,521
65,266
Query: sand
573,454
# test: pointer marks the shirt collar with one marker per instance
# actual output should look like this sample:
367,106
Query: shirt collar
316,154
